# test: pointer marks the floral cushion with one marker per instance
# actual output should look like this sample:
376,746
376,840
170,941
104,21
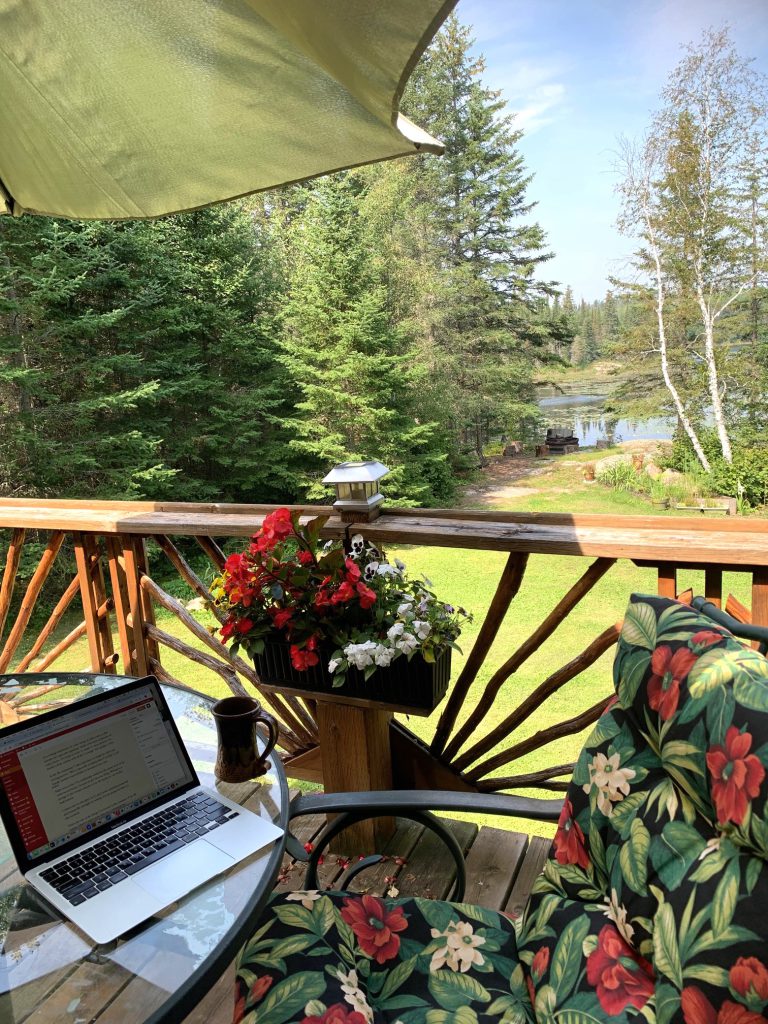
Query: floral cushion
652,907
333,958
656,894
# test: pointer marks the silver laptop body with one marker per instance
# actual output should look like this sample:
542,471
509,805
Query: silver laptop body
105,812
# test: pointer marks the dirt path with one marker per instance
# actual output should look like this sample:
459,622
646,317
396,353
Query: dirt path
506,478
519,476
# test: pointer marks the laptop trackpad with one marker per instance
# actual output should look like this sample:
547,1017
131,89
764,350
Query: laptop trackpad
183,871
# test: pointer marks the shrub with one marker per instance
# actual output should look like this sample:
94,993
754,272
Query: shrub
620,476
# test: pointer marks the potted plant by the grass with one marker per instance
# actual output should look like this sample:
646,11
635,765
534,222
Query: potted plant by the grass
324,619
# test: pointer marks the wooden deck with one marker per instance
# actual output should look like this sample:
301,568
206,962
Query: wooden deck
501,868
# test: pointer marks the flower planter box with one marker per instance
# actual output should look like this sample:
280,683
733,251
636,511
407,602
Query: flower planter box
416,684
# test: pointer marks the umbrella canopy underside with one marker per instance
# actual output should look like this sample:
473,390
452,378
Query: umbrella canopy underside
136,108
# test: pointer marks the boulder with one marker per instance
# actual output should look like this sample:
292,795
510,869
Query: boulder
671,476
197,604
653,471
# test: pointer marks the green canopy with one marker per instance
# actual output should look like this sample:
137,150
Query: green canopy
136,108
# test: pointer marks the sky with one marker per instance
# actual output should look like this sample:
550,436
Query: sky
579,76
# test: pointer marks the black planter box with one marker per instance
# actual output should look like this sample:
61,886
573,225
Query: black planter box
416,684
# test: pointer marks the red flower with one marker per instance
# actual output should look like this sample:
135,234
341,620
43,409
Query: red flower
276,527
749,976
345,593
305,557
375,926
669,670
705,639
337,1014
736,775
281,617
569,839
540,962
697,1009
353,570
243,625
303,659
227,630
367,596
621,976
258,990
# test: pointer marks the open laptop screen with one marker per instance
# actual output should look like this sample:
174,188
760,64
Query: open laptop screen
102,760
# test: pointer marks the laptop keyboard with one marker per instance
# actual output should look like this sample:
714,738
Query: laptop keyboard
84,875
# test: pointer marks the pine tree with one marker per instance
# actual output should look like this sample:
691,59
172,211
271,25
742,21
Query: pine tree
138,360
491,326
357,383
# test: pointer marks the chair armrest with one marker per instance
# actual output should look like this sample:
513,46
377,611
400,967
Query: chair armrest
416,805
399,801
744,630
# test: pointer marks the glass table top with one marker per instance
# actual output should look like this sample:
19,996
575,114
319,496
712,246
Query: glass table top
49,969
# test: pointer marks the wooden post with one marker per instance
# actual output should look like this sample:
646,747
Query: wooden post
668,580
760,597
140,606
713,585
9,576
93,594
354,745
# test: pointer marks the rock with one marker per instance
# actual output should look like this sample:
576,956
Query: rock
611,460
513,448
671,476
653,471
197,604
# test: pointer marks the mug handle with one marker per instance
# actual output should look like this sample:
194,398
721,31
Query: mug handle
274,732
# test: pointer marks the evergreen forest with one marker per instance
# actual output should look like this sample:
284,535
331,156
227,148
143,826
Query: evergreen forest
235,353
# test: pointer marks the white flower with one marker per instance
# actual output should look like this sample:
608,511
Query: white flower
422,629
460,950
405,610
617,913
383,655
360,655
611,782
395,631
353,994
407,643
385,569
357,542
370,570
333,664
305,897
400,565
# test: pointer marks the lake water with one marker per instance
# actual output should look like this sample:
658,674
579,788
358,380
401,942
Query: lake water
585,415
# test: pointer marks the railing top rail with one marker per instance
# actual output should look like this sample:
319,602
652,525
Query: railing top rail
736,542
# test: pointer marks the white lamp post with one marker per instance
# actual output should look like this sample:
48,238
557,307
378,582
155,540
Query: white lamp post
357,489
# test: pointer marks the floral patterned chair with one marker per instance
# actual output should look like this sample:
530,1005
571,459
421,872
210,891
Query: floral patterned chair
652,907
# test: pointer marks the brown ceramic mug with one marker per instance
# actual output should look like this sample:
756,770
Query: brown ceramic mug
238,758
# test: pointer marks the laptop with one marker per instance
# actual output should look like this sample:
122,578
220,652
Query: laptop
105,812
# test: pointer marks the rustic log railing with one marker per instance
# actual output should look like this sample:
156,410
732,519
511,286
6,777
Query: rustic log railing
470,748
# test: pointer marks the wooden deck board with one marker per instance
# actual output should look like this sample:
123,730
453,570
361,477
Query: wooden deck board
493,863
532,866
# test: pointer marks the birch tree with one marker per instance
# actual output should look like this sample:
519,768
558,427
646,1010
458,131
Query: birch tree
684,196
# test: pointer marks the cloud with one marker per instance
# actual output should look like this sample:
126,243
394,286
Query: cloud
539,110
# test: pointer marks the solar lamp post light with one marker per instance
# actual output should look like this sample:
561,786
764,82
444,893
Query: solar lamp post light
357,490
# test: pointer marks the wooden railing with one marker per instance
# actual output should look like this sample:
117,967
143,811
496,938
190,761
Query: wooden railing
471,747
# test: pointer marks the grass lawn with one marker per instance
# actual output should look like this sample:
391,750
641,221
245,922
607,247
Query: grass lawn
469,578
